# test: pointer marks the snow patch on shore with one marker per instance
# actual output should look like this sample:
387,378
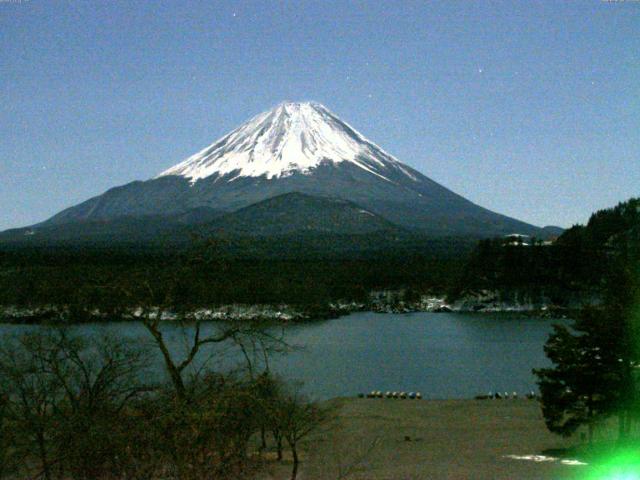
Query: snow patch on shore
545,458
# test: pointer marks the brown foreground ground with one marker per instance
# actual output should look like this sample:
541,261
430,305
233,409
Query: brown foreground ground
378,439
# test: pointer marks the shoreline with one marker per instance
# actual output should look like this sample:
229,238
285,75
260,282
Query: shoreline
276,314
398,301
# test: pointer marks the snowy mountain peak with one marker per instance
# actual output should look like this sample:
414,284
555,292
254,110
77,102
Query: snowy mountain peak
293,137
298,148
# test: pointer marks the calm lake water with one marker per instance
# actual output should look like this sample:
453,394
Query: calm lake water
442,355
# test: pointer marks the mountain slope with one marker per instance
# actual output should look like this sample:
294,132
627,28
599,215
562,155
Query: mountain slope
284,215
299,213
298,147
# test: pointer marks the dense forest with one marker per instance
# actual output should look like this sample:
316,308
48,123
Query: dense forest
573,268
213,272
311,272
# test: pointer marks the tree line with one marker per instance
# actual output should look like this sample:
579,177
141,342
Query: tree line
595,372
219,271
207,275
90,407
571,269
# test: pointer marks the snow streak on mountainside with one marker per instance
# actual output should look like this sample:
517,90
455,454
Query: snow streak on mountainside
294,148
293,137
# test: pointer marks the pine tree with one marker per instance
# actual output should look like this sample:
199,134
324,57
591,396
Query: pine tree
596,360
580,389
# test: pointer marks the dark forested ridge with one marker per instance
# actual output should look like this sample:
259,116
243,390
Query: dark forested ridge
570,270
290,213
293,270
311,270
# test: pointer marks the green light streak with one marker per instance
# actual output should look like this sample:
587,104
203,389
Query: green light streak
622,465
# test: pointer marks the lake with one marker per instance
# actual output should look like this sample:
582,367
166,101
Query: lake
441,355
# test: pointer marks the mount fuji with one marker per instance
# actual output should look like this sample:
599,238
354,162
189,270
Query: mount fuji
307,157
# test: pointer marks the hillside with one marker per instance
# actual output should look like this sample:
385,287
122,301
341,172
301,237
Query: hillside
296,212
569,272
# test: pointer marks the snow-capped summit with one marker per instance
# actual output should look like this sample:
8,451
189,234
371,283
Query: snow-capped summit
292,137
299,148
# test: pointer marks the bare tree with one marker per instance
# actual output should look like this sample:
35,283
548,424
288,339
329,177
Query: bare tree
298,417
105,372
176,368
31,400
256,351
6,437
254,339
63,397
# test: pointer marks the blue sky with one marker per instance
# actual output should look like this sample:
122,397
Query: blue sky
530,108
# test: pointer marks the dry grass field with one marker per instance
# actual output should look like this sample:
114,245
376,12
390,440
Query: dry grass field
378,439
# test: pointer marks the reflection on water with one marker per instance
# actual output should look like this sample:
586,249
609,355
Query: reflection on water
441,355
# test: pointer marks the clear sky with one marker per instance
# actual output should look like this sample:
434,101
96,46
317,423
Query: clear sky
529,108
